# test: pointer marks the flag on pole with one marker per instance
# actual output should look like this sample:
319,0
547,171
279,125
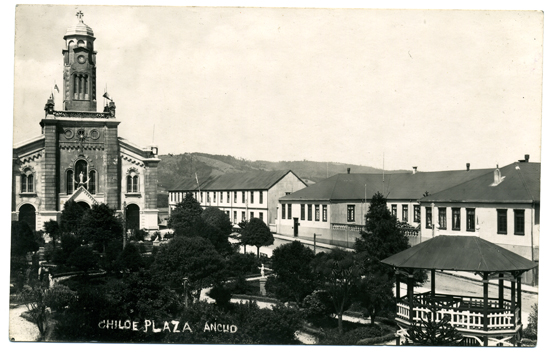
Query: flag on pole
56,88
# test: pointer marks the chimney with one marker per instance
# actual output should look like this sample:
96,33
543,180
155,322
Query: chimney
414,170
468,166
349,169
527,158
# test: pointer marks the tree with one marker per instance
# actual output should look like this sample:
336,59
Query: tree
339,274
22,242
217,218
257,233
52,228
382,236
190,260
83,259
22,239
375,293
70,217
293,279
186,217
100,225
130,258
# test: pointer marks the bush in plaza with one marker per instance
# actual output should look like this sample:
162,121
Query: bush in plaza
530,331
83,259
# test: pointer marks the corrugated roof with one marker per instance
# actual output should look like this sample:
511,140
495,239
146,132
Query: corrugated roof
520,183
260,180
401,186
459,253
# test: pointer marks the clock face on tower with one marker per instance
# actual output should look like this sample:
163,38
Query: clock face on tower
81,59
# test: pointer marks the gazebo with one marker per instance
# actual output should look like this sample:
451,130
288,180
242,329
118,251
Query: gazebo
483,319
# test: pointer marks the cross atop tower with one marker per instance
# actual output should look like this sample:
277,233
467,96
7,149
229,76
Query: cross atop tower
79,14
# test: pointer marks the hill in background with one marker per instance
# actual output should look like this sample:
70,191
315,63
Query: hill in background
174,168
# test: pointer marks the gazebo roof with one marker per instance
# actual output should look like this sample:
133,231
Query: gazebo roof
460,253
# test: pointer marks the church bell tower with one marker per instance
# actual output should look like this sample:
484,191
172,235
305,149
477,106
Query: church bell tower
79,70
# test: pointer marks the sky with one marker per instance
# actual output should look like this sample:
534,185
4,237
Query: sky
384,88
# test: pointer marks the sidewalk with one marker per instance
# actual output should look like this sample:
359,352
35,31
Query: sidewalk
309,242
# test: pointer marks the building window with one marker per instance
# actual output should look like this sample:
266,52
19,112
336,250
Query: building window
132,183
394,210
70,181
261,197
252,197
214,197
235,197
92,182
289,211
302,212
502,221
243,197
324,213
442,211
243,216
417,213
456,218
351,213
251,215
519,222
283,211
470,219
234,216
405,213
221,196
261,216
201,197
309,212
208,196
428,217
228,197
317,213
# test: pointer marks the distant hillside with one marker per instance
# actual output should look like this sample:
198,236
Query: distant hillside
174,168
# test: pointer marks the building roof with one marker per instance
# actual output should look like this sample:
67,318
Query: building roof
259,180
400,186
520,183
459,253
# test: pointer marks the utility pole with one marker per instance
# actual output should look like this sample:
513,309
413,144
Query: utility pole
124,224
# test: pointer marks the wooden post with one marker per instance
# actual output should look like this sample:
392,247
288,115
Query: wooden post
513,299
501,290
433,282
410,293
397,285
485,306
519,297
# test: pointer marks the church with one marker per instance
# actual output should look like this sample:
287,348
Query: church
79,155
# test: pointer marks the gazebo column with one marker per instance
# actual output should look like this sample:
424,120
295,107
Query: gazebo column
410,294
485,306
397,286
501,291
513,304
519,297
433,282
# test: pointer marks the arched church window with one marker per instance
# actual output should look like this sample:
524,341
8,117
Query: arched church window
132,181
27,181
70,181
92,182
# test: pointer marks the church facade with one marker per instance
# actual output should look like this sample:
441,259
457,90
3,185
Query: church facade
79,155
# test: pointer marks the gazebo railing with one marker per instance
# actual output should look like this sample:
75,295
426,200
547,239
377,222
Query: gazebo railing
464,312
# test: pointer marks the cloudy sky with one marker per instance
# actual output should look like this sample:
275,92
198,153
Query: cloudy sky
433,89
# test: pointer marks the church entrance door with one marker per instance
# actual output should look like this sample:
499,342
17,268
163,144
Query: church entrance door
27,214
132,217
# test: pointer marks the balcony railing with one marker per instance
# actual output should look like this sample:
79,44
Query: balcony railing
465,313
349,227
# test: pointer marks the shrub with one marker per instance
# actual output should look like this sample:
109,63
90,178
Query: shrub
531,331
221,295
59,296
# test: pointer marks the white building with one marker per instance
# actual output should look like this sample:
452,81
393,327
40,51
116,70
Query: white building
241,195
502,206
